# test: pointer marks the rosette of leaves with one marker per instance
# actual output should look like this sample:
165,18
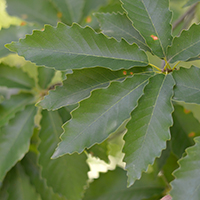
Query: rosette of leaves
112,82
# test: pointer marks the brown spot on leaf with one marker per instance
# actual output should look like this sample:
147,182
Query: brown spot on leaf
191,134
154,37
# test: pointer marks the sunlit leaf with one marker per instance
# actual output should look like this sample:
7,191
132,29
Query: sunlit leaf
55,47
70,170
187,87
149,126
15,139
186,185
100,115
152,19
186,46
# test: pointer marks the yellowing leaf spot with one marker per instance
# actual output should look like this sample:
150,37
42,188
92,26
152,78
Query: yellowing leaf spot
191,134
154,37
186,111
88,19
23,23
42,29
131,73
59,14
125,72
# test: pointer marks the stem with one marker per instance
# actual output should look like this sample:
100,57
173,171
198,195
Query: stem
155,67
176,65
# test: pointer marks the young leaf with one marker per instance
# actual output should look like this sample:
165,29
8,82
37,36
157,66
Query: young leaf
186,46
16,103
187,85
152,19
186,184
15,139
185,127
81,83
119,26
100,115
148,128
70,170
13,77
74,47
112,186
40,11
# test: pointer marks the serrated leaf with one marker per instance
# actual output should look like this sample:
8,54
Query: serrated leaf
190,2
40,11
81,83
186,185
112,186
70,170
186,46
15,139
13,33
148,128
13,77
100,115
187,85
75,47
119,26
18,185
45,76
30,166
152,19
185,127
10,107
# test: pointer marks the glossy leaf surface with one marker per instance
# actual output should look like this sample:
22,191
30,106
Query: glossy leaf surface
187,87
98,116
186,184
16,135
70,170
55,47
152,19
148,128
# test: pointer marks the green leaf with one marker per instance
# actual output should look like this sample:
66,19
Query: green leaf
70,170
15,139
185,127
152,19
98,116
10,107
186,184
186,46
187,85
45,76
148,128
18,185
190,2
112,186
32,169
40,11
75,47
81,83
13,77
13,33
119,26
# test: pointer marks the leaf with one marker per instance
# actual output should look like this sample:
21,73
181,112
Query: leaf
13,77
119,26
10,107
186,184
152,19
100,115
75,47
190,2
45,76
15,139
39,11
18,185
187,85
185,127
70,170
81,83
32,169
148,128
186,46
112,186
13,33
